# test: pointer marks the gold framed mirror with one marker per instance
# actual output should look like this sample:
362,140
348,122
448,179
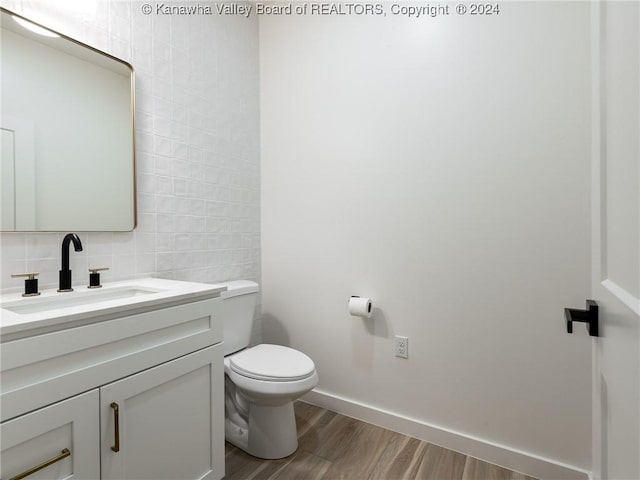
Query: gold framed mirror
68,137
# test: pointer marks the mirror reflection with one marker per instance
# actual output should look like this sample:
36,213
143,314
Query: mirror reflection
67,145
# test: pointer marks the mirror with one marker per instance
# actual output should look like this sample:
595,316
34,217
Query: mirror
67,125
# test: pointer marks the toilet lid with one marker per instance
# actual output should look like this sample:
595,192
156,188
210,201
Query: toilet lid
272,363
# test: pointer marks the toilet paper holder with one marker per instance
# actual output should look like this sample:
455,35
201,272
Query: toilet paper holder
360,308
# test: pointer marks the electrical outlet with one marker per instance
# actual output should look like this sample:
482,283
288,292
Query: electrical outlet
402,347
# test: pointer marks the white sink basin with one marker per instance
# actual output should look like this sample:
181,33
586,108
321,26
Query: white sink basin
52,311
75,299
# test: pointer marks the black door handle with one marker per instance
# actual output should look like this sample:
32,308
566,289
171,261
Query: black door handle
589,316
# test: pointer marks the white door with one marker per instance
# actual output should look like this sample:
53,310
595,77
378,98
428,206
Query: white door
166,422
7,184
17,175
58,441
616,239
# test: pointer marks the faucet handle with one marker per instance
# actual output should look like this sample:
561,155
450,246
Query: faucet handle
30,275
94,277
30,283
96,270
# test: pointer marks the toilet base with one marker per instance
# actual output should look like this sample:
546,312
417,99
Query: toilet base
270,432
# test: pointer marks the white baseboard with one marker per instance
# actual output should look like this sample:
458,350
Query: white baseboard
507,457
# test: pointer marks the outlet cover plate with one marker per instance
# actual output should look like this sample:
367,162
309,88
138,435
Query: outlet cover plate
402,346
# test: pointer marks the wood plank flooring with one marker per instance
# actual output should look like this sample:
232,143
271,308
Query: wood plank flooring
334,447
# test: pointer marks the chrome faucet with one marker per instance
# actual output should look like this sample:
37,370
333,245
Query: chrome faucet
65,273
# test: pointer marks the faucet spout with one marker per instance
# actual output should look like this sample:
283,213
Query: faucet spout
65,272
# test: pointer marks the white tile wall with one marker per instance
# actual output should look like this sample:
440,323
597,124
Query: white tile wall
197,147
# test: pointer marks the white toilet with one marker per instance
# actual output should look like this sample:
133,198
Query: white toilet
261,382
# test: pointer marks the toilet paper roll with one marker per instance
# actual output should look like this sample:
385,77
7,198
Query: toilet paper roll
360,307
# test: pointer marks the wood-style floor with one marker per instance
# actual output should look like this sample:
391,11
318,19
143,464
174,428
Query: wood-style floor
332,446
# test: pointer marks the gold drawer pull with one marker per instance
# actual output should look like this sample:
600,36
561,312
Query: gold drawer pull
116,426
64,454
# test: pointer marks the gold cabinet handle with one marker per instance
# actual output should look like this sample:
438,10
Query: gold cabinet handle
64,454
116,427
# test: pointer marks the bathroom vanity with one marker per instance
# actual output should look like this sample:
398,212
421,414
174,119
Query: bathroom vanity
125,381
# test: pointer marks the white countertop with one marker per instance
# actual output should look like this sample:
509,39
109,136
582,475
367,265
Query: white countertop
148,293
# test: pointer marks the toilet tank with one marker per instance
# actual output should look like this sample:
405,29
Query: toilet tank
238,304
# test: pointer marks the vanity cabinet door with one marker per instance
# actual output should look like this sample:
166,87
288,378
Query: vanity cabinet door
66,434
166,422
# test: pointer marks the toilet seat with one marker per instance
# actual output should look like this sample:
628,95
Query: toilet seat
272,363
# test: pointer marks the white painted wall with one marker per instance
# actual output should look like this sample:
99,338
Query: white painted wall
197,142
441,167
